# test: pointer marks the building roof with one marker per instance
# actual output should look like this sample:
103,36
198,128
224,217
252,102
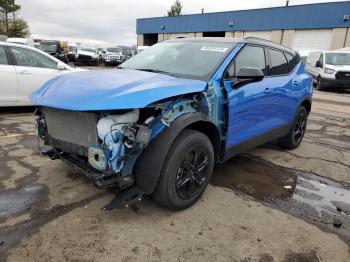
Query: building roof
310,16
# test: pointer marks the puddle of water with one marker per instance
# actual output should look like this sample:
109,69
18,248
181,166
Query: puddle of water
329,199
14,202
262,182
318,200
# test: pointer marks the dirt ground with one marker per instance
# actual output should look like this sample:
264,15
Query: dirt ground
266,205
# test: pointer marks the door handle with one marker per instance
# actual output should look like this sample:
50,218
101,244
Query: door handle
267,90
25,72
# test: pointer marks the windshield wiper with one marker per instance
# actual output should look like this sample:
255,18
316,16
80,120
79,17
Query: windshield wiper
155,71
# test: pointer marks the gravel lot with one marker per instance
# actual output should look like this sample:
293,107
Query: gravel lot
266,205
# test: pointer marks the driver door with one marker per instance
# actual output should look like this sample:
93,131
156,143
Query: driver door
249,110
33,70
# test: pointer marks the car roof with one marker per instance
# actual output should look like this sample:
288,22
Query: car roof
246,40
14,44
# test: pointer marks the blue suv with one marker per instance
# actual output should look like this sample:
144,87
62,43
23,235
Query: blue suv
158,123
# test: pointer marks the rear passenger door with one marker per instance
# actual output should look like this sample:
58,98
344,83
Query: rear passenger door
8,80
284,84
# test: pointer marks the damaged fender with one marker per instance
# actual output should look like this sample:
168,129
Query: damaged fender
149,165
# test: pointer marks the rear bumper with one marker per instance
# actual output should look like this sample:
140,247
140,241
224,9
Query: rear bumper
334,83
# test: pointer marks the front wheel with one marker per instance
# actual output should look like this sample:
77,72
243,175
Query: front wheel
319,84
186,171
295,136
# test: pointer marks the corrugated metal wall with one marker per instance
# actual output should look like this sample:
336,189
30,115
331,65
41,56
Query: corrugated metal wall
313,16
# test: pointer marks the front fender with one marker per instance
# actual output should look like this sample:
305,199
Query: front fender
149,165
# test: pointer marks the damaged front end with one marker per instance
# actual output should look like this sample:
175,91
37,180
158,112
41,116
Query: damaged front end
105,145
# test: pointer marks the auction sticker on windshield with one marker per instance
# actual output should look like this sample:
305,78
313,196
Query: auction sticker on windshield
214,49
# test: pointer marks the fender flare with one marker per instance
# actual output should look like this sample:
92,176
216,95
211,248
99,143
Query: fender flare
305,99
150,164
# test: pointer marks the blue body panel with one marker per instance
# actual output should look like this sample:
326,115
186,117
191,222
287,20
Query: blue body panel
111,89
257,108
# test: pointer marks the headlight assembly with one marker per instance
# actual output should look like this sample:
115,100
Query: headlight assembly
328,71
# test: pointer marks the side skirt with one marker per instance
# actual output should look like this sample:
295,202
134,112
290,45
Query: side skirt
245,146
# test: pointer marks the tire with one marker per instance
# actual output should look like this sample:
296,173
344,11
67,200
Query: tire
295,136
181,183
319,85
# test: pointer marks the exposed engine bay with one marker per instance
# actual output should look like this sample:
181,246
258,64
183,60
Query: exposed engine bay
105,145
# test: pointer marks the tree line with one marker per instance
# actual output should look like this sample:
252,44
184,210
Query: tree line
11,24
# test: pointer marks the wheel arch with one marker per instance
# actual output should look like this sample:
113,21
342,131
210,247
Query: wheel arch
149,165
307,104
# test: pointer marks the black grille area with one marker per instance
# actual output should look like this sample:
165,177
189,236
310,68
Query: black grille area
343,76
71,131
84,57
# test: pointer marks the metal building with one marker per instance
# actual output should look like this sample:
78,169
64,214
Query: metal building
302,27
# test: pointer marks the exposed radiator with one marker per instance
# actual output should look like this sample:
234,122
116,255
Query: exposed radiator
73,127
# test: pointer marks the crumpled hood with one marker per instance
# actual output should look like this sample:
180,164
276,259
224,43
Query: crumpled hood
111,89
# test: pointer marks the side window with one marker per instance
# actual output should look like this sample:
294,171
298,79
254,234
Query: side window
278,63
292,61
321,60
28,57
3,58
250,56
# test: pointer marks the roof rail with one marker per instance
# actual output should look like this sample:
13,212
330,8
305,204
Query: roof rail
260,39
257,40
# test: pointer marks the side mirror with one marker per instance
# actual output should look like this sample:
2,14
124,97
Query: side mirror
318,63
61,66
248,75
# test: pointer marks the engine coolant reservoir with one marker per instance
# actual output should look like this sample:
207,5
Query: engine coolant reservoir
116,122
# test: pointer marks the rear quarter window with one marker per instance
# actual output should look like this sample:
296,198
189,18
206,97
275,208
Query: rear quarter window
293,60
278,63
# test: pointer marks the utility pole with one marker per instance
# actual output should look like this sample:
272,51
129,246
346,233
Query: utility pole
287,2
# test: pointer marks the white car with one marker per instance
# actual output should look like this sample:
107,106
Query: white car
329,68
21,41
23,69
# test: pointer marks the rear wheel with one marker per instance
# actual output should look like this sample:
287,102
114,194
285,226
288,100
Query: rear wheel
186,171
297,131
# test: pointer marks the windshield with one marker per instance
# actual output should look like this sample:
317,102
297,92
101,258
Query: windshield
191,59
89,49
113,50
125,51
338,58
48,47
72,48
